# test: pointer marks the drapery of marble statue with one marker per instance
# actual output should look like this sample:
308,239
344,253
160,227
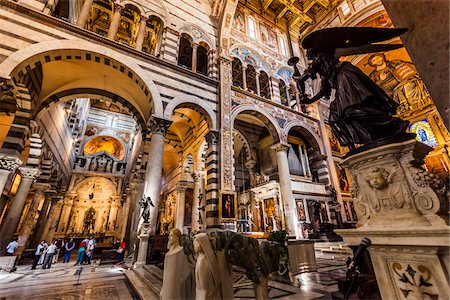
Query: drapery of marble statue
361,111
211,279
400,80
179,275
145,204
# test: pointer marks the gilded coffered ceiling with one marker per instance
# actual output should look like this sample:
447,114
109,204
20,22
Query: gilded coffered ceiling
301,15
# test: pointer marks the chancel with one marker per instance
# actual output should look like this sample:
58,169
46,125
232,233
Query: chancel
211,149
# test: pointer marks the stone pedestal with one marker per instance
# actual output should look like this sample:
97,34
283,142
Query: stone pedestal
143,235
398,205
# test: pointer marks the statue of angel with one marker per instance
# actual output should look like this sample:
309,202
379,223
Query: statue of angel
145,204
361,111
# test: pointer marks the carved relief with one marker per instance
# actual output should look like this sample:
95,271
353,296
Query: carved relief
415,281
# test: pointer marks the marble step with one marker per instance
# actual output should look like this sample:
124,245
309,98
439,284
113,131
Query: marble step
141,285
338,248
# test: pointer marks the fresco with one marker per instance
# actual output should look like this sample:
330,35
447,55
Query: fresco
105,143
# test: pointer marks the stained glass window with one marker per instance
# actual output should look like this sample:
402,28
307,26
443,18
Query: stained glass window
424,133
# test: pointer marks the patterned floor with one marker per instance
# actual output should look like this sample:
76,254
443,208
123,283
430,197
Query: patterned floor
109,282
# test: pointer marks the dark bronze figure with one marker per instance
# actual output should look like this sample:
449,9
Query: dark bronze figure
361,111
145,204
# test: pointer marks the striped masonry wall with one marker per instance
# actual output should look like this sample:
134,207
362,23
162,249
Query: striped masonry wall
212,180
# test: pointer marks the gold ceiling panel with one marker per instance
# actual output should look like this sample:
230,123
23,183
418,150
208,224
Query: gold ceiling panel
302,15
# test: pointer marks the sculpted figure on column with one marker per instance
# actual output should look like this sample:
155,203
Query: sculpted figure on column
178,280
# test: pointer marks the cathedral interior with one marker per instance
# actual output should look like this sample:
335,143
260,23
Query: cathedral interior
122,120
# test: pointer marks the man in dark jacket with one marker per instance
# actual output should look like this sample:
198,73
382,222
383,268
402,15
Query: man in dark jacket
69,246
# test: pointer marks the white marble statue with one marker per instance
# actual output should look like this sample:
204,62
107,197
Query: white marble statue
178,278
212,272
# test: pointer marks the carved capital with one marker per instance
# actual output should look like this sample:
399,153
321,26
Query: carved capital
182,186
27,172
9,163
118,8
160,126
212,138
196,176
280,147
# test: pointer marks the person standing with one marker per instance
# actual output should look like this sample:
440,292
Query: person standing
37,255
90,249
51,251
81,252
12,247
68,247
59,245
121,251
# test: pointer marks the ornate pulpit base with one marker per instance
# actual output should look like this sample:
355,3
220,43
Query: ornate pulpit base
397,203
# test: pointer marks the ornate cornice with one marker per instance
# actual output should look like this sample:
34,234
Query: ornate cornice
9,163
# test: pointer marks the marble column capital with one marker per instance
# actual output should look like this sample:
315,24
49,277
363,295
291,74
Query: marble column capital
194,45
9,163
280,147
212,138
196,176
160,126
144,19
182,186
250,164
118,8
28,172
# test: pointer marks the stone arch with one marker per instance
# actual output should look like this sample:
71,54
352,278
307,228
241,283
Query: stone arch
268,120
194,103
244,141
93,93
197,34
69,50
134,4
310,134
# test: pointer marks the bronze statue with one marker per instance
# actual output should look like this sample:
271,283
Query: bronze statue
145,204
361,111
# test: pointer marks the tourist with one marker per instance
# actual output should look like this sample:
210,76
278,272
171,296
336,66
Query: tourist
12,247
81,252
90,250
51,251
59,245
68,248
37,255
44,253
121,251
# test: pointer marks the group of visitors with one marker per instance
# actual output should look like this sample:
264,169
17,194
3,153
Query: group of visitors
86,251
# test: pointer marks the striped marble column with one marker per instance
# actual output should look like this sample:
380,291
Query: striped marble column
212,180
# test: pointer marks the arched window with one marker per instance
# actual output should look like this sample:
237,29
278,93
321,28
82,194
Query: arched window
202,60
251,79
251,28
237,73
283,92
283,48
152,36
100,17
185,52
264,85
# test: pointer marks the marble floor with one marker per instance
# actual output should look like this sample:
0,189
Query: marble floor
65,281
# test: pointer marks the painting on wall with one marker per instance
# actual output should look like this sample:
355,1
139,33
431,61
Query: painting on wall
268,37
107,144
239,21
343,179
228,206
300,210
394,72
188,201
